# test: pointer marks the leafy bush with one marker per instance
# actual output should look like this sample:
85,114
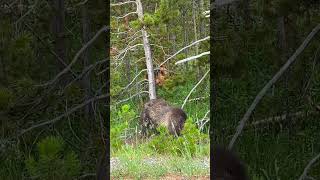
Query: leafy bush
52,162
148,19
125,116
126,113
136,24
192,142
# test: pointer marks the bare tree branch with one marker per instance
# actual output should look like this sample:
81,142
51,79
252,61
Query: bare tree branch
306,169
186,99
82,3
192,57
122,3
86,70
74,60
278,118
202,122
194,43
128,14
270,83
65,114
127,99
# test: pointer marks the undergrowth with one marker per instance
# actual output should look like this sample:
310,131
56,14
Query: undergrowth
179,155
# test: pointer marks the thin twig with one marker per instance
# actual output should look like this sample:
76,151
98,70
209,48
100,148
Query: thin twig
186,99
124,100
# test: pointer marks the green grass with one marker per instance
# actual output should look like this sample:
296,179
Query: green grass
280,152
133,164
168,154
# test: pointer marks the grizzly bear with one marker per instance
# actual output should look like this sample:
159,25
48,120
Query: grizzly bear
158,112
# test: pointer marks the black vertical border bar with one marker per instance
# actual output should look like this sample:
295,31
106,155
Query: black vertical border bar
103,168
213,88
107,89
107,79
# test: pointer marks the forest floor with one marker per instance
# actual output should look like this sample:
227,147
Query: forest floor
160,167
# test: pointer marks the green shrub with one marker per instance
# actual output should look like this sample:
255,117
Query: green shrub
126,113
174,81
119,125
115,133
163,143
52,161
136,24
192,142
148,19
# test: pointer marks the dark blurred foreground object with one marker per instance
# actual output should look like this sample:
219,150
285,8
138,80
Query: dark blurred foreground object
102,167
227,166
158,112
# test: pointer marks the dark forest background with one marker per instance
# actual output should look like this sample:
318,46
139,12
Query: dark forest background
251,41
53,77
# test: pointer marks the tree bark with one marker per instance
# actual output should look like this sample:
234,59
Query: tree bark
148,54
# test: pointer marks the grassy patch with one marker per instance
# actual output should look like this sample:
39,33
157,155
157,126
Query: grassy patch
142,162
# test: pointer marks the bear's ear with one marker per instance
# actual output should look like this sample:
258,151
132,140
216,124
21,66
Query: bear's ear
226,165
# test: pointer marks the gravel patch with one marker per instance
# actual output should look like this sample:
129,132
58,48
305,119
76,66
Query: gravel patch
115,162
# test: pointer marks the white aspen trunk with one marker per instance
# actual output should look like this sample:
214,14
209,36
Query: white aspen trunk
147,52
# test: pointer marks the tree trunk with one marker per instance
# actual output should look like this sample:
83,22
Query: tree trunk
59,35
85,57
147,52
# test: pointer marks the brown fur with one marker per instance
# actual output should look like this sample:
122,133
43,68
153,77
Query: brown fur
160,75
158,112
227,166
